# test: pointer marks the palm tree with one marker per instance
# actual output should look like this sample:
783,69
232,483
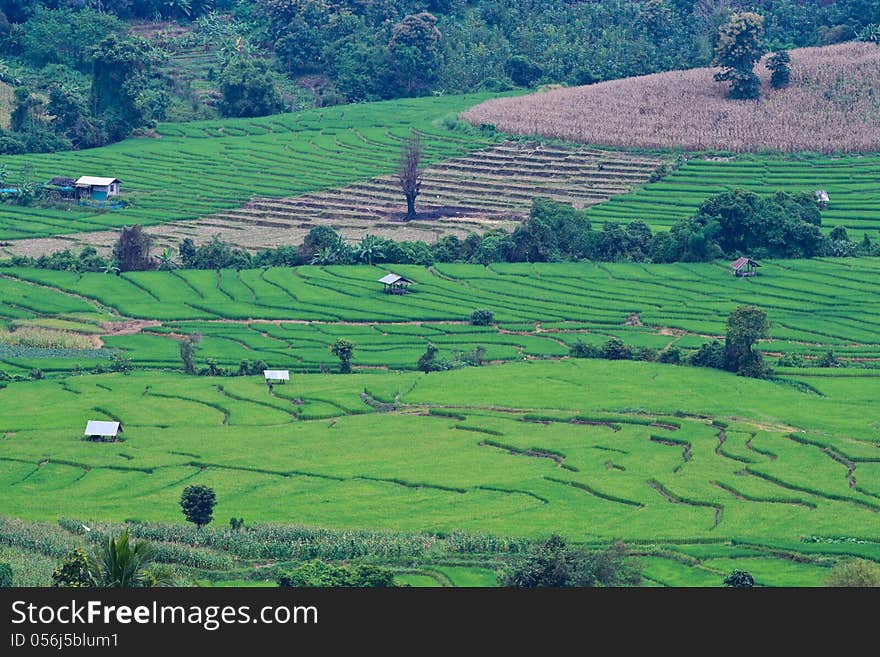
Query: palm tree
167,261
121,563
369,249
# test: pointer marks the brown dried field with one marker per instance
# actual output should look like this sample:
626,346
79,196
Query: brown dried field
492,188
830,106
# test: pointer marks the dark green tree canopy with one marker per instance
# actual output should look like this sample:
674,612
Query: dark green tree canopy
198,503
745,326
739,579
248,89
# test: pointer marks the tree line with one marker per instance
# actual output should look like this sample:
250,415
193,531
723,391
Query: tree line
730,224
82,79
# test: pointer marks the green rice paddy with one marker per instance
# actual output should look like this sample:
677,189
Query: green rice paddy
288,317
851,183
193,169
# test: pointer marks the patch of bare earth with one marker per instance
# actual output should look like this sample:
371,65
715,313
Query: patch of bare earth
485,190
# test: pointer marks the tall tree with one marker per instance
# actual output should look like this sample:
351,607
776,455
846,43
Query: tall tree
344,350
739,47
248,89
132,250
414,53
119,81
745,326
409,173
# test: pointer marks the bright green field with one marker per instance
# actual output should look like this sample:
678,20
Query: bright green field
698,470
573,446
851,183
194,169
287,317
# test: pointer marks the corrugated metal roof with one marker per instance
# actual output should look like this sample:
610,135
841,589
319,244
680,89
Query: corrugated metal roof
277,375
739,263
95,180
390,279
98,428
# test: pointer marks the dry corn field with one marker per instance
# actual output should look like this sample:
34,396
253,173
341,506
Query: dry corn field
487,189
831,105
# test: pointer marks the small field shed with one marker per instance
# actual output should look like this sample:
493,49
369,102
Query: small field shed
395,284
276,376
744,267
95,188
105,431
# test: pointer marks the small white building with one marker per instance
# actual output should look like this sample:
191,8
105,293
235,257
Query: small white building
99,430
276,376
96,188
822,198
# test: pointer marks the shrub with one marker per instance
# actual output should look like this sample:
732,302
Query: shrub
482,317
855,572
791,360
739,579
73,571
317,573
615,349
780,66
553,563
828,359
581,349
671,356
710,354
428,360
646,354
120,363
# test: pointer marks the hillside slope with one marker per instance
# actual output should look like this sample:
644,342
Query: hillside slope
830,106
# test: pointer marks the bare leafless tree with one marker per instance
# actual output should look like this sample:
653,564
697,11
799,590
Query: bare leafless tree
408,172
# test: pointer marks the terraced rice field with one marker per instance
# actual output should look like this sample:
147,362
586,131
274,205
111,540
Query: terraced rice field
698,470
196,169
288,317
490,188
852,183
581,447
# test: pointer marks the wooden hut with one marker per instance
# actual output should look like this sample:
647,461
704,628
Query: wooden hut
744,267
395,284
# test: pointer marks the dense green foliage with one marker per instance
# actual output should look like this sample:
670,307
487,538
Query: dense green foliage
782,225
353,51
231,161
554,563
746,325
73,570
739,579
320,573
120,562
849,182
855,572
198,504
5,576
